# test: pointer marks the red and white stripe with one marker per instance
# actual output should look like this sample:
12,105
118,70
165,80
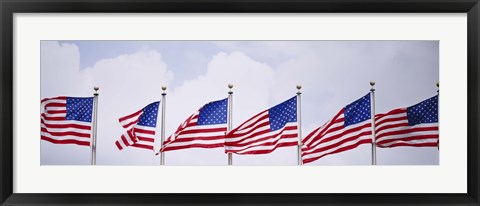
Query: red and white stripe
191,135
393,130
136,135
255,136
56,129
333,137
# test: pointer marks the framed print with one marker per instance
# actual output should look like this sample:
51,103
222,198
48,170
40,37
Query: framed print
261,103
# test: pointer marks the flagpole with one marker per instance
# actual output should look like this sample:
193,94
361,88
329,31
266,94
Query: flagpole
299,115
438,93
372,117
94,135
229,124
162,139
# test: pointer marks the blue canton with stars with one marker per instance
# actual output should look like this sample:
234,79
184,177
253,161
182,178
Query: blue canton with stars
423,112
149,116
281,114
213,113
357,111
79,109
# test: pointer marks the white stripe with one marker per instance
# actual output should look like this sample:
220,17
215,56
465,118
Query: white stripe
277,135
417,141
83,139
378,127
200,127
246,130
343,137
145,143
346,144
247,138
391,116
130,120
64,101
205,134
145,127
325,133
63,122
83,131
250,122
56,115
55,108
413,134
260,147
206,142
323,129
395,129
338,132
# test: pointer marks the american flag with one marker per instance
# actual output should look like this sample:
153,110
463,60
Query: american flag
140,128
349,128
204,129
266,131
415,126
67,120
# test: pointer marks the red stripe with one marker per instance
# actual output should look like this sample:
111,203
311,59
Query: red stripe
125,142
283,136
392,112
56,111
165,149
284,144
250,129
54,98
66,141
142,146
331,146
326,129
206,130
418,137
64,126
391,126
67,133
408,130
342,149
47,118
118,145
403,144
146,139
390,120
343,133
144,131
55,104
252,135
130,123
189,139
129,116
239,144
243,124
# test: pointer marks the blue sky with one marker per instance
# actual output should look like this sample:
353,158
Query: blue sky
264,73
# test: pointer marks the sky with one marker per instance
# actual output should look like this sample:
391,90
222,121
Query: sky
130,75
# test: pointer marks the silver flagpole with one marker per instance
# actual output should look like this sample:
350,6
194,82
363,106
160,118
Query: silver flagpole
299,115
229,120
372,117
164,104
438,93
94,135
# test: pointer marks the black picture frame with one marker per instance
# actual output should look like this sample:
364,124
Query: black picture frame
10,7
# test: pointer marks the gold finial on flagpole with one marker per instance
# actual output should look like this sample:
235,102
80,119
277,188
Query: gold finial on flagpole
96,88
230,86
164,88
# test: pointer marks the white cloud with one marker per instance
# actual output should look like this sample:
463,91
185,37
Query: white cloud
127,83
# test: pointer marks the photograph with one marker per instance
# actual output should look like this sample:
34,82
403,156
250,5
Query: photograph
239,102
